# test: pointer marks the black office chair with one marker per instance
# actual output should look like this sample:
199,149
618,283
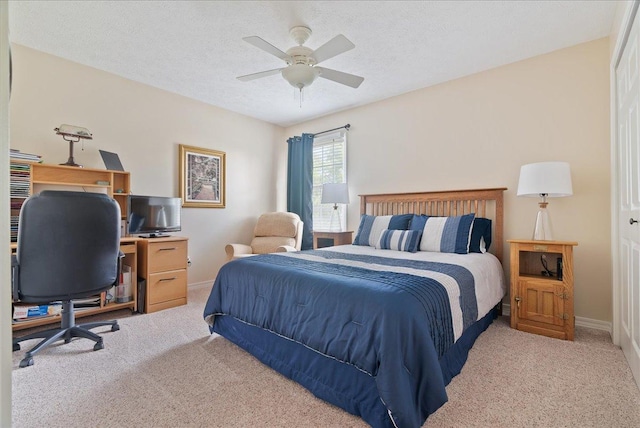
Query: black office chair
68,248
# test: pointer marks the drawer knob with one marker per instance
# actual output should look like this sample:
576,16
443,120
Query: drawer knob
167,279
167,249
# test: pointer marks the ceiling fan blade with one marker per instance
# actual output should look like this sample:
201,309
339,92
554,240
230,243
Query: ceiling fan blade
253,76
267,47
333,47
340,77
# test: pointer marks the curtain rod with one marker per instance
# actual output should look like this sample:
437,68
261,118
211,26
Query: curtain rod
347,126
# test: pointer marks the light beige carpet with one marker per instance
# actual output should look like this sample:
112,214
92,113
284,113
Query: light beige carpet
165,370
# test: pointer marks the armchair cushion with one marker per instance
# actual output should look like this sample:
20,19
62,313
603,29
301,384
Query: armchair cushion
268,244
282,224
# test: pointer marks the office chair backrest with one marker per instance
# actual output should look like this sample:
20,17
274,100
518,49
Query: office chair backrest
68,245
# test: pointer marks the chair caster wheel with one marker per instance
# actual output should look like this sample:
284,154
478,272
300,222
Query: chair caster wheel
26,362
115,327
16,347
98,346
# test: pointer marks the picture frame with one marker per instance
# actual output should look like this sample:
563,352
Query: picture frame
202,177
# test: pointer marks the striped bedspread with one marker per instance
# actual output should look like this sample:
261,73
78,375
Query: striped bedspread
392,315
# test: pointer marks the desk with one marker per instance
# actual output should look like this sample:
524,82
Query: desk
128,246
325,238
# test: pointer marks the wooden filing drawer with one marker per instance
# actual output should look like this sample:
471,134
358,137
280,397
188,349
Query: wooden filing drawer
163,265
167,286
165,256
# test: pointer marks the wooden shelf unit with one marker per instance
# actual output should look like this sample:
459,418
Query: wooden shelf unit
62,177
542,302
117,185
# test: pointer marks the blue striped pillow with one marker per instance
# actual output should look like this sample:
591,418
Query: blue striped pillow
447,234
371,227
399,240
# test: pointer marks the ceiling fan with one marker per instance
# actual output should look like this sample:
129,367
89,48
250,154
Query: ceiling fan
302,68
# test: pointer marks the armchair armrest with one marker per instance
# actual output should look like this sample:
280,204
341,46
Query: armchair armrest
234,250
285,249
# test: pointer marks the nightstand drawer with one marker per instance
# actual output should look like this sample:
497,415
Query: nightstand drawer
166,286
542,247
165,256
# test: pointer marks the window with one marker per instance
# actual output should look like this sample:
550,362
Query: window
329,166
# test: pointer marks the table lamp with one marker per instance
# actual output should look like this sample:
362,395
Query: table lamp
544,180
72,134
335,193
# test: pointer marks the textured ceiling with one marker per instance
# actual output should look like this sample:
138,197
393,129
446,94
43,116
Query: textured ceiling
195,48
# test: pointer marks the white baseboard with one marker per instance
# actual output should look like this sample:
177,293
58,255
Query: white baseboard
580,321
594,324
208,283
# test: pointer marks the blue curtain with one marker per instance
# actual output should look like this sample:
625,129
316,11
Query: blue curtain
300,184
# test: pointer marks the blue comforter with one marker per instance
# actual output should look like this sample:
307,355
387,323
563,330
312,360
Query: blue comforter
384,316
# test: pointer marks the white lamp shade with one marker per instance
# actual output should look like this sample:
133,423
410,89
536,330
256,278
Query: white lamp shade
335,193
552,179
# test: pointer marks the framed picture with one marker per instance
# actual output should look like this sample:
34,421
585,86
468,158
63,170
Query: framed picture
202,177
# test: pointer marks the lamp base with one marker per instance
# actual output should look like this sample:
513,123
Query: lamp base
542,230
70,161
335,225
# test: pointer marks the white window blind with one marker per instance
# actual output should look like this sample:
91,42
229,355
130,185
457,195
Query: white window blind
329,166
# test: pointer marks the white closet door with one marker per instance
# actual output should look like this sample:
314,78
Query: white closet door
628,160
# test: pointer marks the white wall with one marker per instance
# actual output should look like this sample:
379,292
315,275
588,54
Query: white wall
145,125
476,132
471,132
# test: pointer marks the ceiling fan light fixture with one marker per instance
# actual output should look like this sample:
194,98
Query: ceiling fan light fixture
299,75
301,70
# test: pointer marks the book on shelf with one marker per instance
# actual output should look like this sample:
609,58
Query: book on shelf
17,155
89,302
22,312
19,184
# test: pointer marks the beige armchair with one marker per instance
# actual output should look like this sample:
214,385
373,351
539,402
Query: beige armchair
274,232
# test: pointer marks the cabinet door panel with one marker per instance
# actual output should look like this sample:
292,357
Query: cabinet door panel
541,301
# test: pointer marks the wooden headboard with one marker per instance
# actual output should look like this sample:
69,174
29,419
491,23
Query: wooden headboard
486,203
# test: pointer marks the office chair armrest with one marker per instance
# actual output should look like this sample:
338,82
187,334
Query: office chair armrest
15,274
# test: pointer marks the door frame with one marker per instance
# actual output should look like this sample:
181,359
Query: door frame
5,260
623,35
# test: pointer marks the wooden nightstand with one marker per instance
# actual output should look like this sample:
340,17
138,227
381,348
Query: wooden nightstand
323,239
542,299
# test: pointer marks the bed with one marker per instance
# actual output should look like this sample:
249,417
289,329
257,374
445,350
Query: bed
378,328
